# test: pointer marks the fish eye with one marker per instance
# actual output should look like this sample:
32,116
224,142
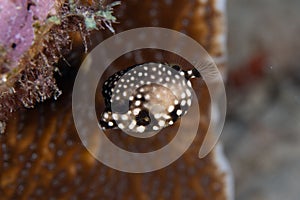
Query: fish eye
176,67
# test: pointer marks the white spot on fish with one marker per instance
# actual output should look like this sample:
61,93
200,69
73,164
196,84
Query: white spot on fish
179,112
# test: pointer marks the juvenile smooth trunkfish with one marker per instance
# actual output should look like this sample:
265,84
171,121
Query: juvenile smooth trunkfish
147,97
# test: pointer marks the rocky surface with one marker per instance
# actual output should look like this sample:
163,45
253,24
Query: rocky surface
38,34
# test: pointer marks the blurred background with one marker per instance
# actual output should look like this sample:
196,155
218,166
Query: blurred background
262,131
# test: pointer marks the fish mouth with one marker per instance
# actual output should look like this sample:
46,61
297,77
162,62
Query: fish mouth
143,118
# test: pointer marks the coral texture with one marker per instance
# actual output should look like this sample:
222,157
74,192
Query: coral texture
46,159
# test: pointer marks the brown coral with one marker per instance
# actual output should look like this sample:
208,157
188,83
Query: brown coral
43,157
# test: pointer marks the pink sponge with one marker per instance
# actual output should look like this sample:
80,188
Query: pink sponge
17,33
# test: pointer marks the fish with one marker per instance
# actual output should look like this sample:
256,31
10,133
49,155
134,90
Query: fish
146,97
